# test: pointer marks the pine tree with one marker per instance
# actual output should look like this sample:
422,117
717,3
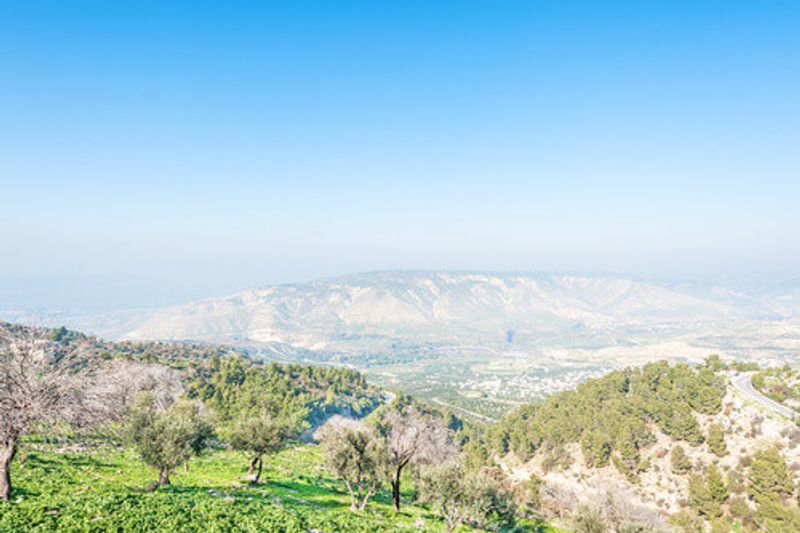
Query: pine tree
716,485
596,449
681,464
700,498
769,476
716,440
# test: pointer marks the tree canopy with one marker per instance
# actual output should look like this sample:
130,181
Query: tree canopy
611,415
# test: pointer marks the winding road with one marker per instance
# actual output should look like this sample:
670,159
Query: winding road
744,384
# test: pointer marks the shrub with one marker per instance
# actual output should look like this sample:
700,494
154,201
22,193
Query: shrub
716,440
769,476
679,461
462,497
586,519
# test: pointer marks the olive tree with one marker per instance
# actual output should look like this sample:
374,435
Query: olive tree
463,497
39,387
355,453
256,436
167,438
414,439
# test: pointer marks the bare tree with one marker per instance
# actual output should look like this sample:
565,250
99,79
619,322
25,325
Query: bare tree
415,439
39,384
555,499
116,386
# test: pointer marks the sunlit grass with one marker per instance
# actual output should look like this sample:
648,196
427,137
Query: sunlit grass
105,490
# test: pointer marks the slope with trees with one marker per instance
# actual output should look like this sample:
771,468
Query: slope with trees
127,409
677,430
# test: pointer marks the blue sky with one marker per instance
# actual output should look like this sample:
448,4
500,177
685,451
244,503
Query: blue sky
154,152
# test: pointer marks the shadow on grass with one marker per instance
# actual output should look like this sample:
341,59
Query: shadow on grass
36,460
23,492
323,493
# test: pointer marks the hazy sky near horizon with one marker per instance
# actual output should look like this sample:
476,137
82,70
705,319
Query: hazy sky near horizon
155,152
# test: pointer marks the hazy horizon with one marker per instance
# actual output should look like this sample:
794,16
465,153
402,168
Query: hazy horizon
755,284
154,156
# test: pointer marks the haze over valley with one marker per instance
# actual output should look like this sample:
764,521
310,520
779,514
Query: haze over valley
366,267
477,341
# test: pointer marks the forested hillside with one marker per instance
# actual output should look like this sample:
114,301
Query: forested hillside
613,417
105,437
661,444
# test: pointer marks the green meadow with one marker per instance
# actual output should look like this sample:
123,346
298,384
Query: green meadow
106,489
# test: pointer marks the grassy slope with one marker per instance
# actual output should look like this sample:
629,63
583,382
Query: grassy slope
102,491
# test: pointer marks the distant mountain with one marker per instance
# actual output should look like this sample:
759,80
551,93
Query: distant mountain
475,341
360,310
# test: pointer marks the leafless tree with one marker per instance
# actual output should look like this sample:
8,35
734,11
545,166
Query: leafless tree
115,387
39,385
622,509
556,499
415,439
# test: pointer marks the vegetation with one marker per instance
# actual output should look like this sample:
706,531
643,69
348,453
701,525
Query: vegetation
609,416
37,388
355,454
781,384
100,489
769,477
716,440
233,416
679,461
769,485
586,519
256,435
707,493
165,439
463,497
299,395
227,419
413,439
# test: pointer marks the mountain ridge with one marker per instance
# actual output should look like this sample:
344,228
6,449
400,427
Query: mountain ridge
477,340
386,302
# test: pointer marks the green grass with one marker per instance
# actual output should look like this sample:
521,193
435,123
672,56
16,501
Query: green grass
104,490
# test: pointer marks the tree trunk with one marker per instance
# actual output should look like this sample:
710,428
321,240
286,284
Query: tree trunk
254,470
396,486
396,493
163,477
353,497
7,452
365,501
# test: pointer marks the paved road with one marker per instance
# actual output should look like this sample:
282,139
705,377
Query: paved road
467,411
744,383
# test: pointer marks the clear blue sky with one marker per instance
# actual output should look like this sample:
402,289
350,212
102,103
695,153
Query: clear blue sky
154,152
